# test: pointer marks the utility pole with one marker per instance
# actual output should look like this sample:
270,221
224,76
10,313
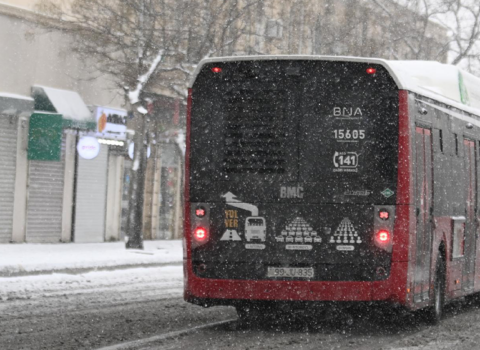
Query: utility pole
134,234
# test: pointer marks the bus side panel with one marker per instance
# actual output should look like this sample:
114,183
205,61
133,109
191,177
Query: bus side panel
405,182
405,219
443,233
186,225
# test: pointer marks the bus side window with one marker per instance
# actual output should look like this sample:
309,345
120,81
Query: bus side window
455,136
440,140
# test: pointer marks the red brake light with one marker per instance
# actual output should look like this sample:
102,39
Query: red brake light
383,236
200,234
371,70
383,214
200,212
216,70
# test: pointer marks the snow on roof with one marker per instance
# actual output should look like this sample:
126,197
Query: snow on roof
119,111
442,82
15,96
68,103
13,104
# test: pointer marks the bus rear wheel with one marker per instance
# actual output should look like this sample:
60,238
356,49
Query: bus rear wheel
435,312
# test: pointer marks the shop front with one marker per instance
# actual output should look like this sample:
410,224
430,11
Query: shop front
15,111
53,131
99,179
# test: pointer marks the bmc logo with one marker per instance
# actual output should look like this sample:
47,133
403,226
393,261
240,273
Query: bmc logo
291,192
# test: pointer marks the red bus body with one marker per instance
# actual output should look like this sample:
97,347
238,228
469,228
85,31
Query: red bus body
400,288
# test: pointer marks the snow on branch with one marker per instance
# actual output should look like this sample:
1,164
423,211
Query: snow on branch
145,78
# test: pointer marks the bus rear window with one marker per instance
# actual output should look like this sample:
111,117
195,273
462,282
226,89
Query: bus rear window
330,123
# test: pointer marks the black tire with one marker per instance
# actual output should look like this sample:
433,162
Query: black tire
435,312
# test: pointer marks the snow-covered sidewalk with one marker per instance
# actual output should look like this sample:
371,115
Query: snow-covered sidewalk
30,259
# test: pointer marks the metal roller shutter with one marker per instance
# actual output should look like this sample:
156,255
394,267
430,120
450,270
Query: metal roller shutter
45,200
127,168
8,153
91,195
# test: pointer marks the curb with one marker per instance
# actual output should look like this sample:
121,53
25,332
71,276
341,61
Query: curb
14,272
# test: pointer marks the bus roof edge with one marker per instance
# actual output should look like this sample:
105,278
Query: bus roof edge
442,82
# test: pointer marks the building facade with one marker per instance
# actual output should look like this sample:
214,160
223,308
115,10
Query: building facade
340,27
47,102
71,198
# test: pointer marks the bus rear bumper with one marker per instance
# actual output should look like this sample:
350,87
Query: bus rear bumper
202,290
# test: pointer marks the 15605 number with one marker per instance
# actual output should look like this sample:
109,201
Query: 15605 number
346,134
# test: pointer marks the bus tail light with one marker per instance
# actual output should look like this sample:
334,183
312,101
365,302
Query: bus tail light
383,237
200,234
371,70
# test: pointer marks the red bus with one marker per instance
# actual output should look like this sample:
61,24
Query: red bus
329,179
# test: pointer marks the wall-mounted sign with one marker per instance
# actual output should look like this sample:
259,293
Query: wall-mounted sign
111,123
131,147
45,137
88,147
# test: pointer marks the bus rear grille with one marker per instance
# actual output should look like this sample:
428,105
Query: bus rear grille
254,133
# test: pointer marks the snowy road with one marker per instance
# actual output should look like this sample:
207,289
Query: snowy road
460,330
113,308
95,309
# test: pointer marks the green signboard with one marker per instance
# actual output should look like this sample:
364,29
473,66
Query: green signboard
45,137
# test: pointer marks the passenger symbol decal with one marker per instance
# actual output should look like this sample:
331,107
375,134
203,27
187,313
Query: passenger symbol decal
345,234
298,232
231,235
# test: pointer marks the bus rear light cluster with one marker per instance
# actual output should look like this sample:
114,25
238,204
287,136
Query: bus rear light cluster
371,70
200,224
216,70
383,226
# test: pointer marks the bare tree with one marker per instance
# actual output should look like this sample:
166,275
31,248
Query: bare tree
463,20
460,18
147,46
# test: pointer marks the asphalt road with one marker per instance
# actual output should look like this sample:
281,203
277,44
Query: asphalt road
149,313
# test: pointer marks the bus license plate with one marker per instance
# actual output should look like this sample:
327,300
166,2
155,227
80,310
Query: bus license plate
297,272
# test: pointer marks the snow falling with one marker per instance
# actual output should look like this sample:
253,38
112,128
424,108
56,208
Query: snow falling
244,174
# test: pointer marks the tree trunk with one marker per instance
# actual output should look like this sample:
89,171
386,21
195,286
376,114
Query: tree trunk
134,235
